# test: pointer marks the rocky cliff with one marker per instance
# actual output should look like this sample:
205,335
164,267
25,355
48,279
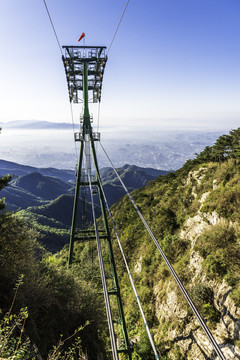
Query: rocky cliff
194,214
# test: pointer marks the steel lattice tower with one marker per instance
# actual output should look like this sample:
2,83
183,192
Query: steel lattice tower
84,67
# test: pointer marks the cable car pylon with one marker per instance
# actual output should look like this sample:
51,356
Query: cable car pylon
84,67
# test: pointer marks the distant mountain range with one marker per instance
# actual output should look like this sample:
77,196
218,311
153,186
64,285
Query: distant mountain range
34,124
44,196
9,167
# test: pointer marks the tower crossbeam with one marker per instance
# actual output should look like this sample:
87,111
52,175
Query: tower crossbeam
73,60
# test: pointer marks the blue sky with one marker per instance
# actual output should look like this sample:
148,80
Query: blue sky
173,63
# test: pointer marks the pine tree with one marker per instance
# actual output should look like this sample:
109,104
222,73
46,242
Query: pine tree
4,182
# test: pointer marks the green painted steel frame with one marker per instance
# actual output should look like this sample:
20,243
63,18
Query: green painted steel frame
87,129
73,60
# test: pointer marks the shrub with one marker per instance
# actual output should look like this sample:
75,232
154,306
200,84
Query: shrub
211,313
202,294
220,248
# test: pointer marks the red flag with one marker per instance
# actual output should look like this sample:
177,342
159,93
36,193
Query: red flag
82,36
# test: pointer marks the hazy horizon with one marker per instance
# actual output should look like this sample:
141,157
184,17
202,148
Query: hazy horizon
165,149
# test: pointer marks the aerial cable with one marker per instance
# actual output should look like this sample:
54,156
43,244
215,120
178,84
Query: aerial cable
60,48
178,281
98,120
73,128
206,349
130,277
118,26
53,27
98,116
103,276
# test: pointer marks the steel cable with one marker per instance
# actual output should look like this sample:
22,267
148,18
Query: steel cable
73,128
60,48
53,27
178,281
103,276
118,26
130,277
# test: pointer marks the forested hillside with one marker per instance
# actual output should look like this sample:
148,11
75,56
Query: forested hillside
46,310
194,214
44,196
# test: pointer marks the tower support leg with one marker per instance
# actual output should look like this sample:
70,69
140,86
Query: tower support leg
116,290
75,205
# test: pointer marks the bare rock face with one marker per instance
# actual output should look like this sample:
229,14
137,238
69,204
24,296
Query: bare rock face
186,332
169,307
230,314
193,228
229,325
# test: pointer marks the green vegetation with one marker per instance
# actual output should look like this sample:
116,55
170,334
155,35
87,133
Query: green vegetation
3,182
220,248
59,301
225,200
45,187
15,347
226,147
203,297
15,344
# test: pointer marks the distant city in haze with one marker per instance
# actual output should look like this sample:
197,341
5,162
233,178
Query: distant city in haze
46,144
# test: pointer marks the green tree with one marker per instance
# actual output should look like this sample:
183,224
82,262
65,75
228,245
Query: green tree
4,182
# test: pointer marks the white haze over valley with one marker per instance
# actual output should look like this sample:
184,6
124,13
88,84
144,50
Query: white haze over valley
52,145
